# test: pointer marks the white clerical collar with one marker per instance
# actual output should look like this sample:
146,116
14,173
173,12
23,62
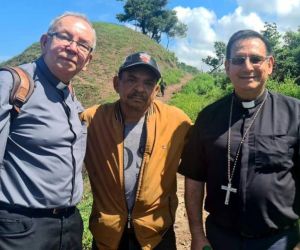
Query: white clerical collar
61,86
248,105
253,103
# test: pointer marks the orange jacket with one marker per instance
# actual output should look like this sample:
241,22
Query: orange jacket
156,200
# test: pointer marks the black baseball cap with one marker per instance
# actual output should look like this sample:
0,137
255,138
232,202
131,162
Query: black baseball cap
140,58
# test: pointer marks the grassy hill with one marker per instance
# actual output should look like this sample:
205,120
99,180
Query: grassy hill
114,43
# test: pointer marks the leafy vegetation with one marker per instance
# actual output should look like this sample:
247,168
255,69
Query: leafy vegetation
204,89
172,76
286,49
188,68
198,93
217,61
288,87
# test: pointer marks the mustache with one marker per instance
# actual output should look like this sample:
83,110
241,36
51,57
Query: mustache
137,95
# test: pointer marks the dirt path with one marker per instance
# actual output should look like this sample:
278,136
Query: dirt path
183,237
174,88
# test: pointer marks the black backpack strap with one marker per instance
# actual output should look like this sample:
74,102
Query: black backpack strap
23,86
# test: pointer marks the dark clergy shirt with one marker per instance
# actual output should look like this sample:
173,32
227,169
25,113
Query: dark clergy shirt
267,172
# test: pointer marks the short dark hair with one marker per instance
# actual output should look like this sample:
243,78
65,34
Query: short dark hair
243,35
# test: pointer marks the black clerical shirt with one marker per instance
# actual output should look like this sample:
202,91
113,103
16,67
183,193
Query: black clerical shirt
267,175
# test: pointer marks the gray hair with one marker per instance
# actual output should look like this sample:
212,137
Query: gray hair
53,23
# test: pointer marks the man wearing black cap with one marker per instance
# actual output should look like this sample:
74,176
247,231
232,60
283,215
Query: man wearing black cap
134,148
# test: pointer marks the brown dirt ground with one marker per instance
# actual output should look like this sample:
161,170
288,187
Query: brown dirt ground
183,237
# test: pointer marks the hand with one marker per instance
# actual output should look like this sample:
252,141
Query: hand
297,247
199,242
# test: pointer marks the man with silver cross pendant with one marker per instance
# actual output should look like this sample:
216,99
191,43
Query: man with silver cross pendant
256,132
228,189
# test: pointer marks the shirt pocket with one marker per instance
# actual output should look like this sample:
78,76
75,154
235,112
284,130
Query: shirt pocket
274,152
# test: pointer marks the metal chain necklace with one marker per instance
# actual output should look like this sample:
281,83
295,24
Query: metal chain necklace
229,188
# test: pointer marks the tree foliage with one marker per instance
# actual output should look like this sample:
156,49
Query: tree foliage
272,34
286,50
152,17
217,61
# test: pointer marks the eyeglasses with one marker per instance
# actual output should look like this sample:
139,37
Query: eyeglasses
255,60
66,40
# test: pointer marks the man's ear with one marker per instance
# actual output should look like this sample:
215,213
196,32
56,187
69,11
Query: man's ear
271,62
116,83
43,42
89,58
157,88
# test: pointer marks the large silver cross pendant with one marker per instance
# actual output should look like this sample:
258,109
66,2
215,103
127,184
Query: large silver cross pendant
228,189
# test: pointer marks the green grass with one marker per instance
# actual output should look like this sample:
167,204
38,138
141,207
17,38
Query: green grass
85,210
173,76
288,87
197,94
205,89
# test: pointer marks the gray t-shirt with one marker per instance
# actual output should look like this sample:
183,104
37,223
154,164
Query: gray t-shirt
134,147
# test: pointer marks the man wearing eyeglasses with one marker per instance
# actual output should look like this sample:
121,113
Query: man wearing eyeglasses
245,149
44,145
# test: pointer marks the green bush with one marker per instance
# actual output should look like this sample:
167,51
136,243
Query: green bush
205,89
200,85
288,87
190,104
197,94
221,79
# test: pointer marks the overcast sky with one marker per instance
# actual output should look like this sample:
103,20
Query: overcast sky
23,21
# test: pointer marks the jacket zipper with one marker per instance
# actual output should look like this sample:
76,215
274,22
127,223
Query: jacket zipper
129,220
